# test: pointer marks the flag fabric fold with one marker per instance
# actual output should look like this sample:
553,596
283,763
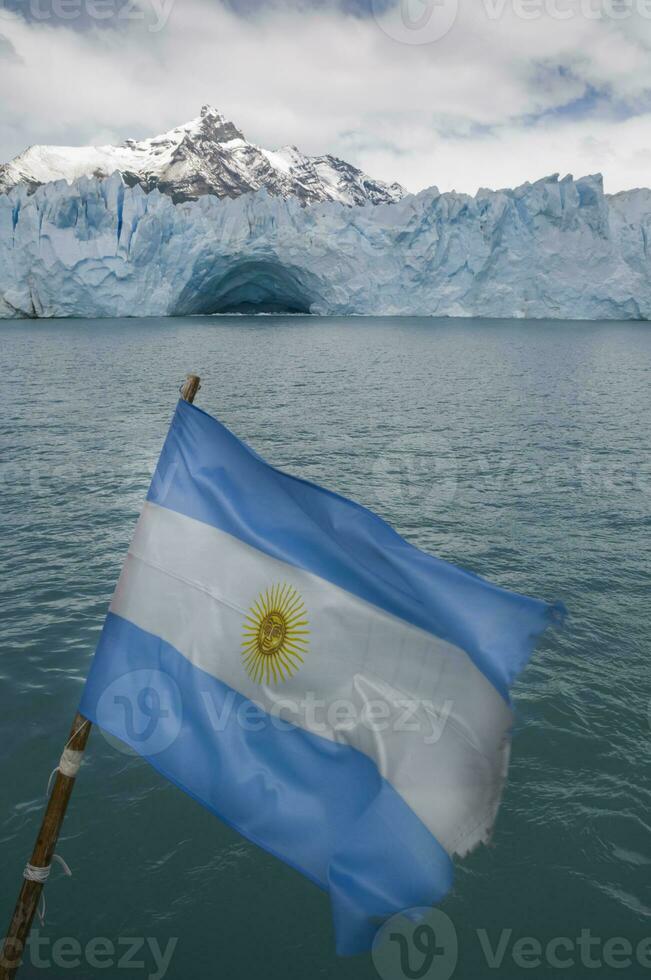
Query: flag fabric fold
335,694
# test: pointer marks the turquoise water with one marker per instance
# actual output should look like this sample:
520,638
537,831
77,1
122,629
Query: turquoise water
519,450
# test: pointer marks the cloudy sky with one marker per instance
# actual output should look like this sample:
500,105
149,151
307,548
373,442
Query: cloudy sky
457,93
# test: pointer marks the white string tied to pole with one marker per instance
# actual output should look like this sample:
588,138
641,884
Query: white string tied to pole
41,875
69,764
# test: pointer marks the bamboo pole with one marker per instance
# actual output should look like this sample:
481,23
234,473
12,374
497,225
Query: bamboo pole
55,811
190,388
46,841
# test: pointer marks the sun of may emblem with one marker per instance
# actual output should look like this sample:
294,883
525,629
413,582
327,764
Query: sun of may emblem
275,635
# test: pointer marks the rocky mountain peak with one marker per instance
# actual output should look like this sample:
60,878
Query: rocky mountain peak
208,155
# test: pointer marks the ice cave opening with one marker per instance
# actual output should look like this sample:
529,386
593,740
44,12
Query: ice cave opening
253,286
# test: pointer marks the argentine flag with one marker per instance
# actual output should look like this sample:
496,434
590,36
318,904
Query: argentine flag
333,693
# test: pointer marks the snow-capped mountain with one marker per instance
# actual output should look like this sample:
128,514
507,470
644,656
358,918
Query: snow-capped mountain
556,248
208,155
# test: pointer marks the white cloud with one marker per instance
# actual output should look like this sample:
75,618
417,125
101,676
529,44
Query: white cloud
481,106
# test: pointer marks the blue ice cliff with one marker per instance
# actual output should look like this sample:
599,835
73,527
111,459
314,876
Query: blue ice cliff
100,248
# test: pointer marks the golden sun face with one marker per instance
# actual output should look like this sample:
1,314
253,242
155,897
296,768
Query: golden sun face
275,635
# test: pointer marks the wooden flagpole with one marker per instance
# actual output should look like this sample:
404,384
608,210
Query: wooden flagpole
46,841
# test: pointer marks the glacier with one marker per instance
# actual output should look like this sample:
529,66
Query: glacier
556,248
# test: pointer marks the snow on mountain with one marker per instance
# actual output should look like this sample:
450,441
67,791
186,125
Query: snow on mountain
208,155
555,248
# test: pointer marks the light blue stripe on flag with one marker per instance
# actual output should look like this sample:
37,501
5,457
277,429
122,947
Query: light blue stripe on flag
205,472
320,805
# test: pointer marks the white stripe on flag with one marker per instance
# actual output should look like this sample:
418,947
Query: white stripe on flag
442,736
